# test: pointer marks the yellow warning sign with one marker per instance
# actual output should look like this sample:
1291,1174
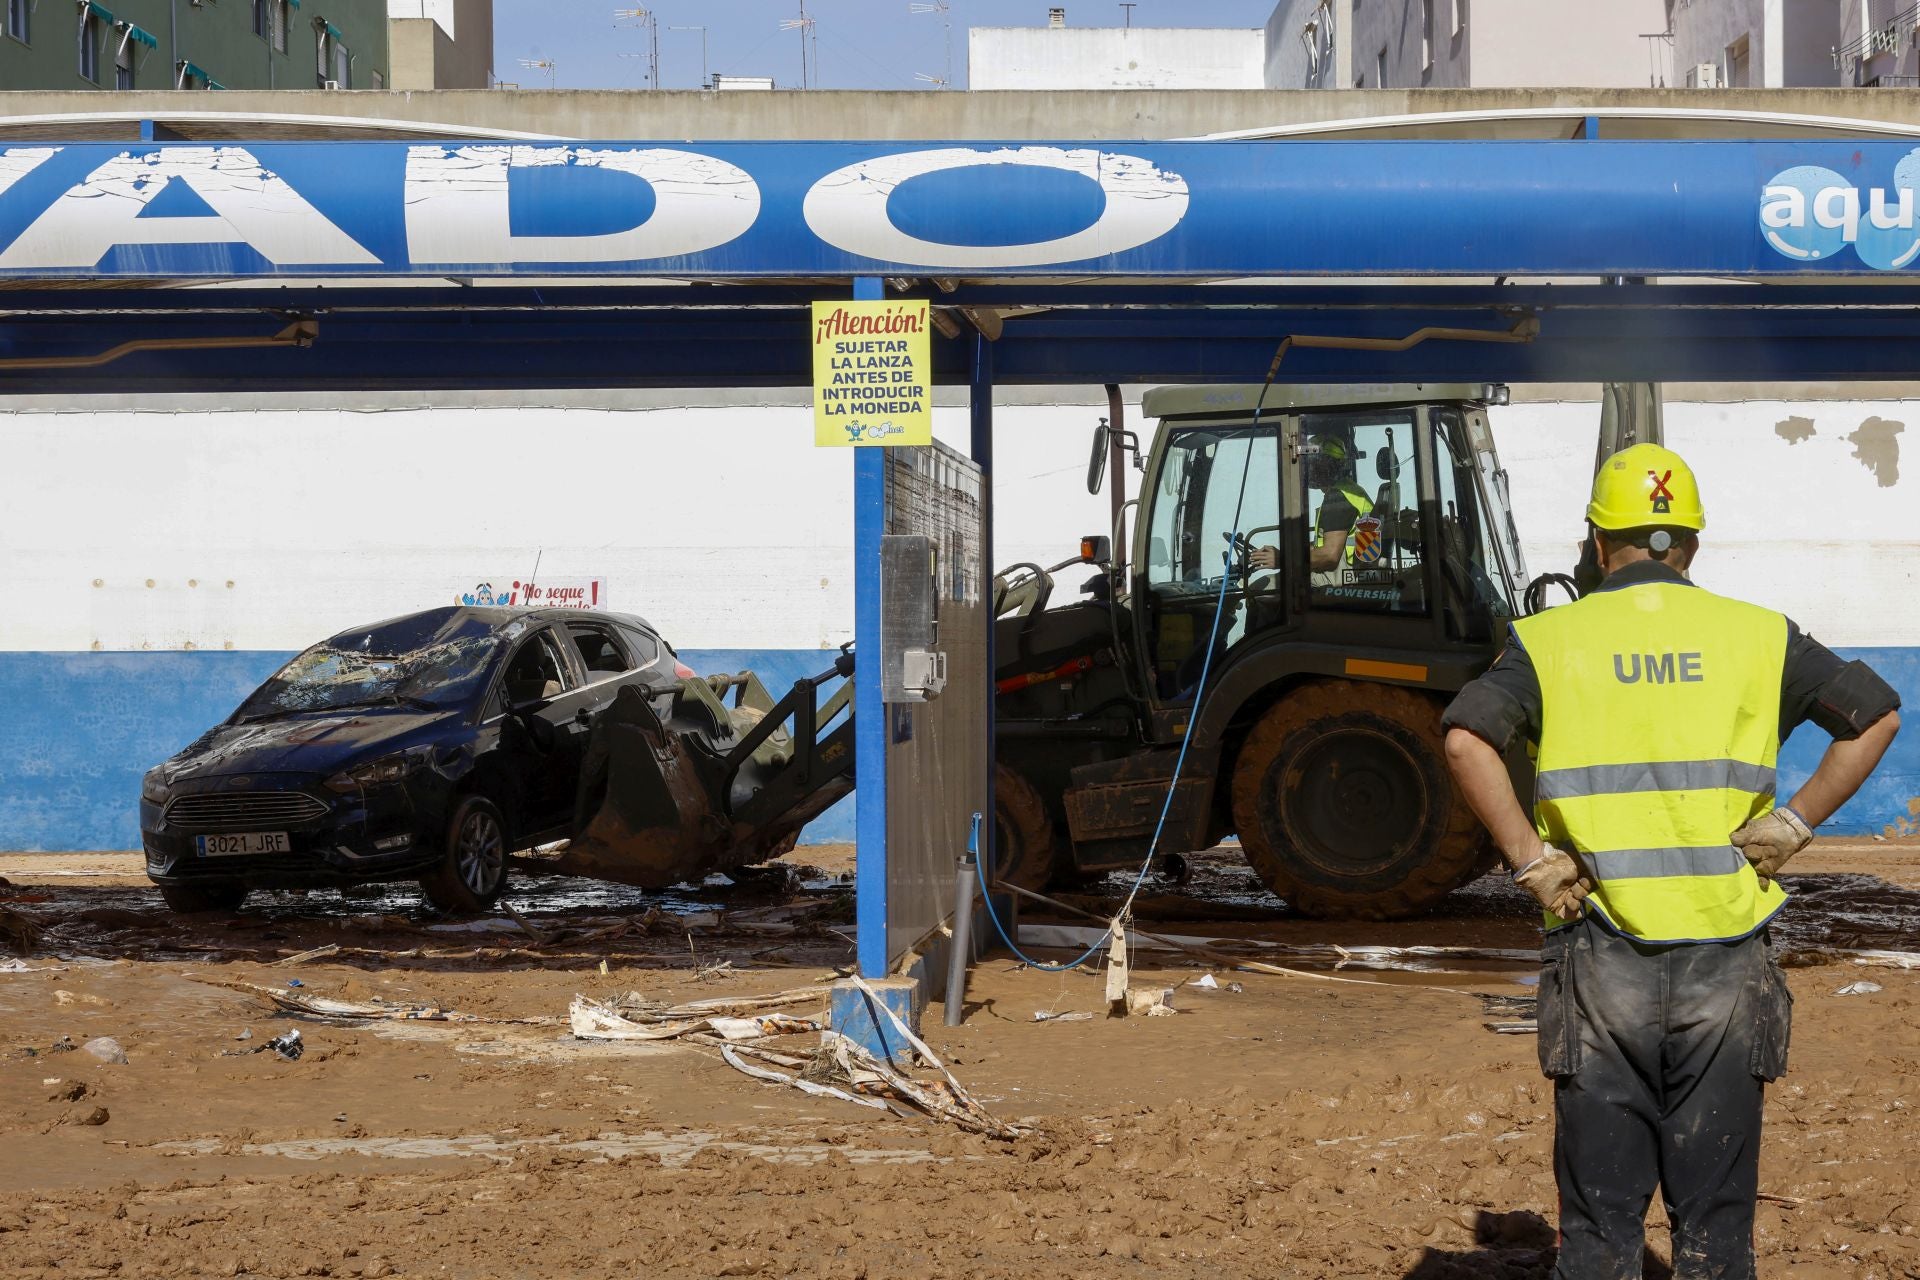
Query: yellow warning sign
872,373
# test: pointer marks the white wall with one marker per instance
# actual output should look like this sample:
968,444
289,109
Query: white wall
1115,58
724,526
1524,43
729,530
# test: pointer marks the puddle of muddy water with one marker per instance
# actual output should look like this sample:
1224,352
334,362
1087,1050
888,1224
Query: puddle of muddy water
670,1149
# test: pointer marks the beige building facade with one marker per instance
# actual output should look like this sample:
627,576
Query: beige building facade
440,44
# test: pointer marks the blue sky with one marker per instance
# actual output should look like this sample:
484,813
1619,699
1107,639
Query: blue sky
863,44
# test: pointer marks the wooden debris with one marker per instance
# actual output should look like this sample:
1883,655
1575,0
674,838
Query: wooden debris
316,953
592,1020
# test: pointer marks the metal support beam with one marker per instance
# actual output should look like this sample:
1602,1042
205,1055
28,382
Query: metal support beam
870,713
980,411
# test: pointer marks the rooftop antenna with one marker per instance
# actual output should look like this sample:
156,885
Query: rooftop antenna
945,10
526,588
1129,7
804,25
540,64
706,80
644,18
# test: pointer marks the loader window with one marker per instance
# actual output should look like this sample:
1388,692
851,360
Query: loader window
1363,511
1212,481
1473,599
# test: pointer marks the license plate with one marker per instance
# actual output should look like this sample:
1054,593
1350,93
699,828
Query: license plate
244,843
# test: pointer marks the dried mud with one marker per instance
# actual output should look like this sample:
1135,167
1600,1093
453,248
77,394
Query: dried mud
1299,1127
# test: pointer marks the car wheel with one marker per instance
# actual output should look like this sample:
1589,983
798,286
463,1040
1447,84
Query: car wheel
473,869
190,899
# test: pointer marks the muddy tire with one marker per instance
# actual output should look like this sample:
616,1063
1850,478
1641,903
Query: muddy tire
1345,806
192,899
1026,843
473,868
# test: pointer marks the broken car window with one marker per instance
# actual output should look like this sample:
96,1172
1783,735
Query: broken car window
325,678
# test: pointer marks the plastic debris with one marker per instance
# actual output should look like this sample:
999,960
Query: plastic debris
287,1045
246,1033
1151,1004
1205,983
1860,988
105,1048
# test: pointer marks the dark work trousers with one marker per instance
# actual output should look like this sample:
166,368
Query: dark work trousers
1659,1057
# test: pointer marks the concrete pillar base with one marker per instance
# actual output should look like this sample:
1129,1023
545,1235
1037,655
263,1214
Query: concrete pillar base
851,1012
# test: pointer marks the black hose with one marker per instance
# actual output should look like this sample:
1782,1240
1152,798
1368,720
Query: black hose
1535,598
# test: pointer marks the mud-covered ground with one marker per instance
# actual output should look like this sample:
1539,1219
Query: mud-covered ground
1296,1127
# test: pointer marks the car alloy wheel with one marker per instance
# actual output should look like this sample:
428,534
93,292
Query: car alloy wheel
480,852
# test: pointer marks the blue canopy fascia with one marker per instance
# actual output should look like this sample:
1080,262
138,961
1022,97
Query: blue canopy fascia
1195,210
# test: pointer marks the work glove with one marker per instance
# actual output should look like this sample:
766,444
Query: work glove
1556,880
1770,839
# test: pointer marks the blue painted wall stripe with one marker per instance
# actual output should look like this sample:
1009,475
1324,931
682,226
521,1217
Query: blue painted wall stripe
78,729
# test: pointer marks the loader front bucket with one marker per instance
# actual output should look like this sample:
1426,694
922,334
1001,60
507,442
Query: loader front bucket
645,816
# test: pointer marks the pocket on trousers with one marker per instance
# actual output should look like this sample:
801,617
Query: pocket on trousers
1559,1026
1773,1020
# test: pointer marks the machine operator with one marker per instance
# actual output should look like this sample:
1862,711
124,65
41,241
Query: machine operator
1343,502
1657,710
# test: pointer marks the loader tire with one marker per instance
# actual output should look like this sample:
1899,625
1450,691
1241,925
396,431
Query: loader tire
1345,805
1026,842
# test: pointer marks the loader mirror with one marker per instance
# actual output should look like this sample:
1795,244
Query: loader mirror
1097,464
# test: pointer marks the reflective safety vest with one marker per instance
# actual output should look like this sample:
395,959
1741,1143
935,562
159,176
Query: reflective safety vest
1362,504
1660,725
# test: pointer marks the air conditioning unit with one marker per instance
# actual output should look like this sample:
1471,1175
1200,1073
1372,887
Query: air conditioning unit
1705,75
331,84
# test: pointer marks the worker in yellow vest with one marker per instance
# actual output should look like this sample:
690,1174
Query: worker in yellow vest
1657,710
1343,504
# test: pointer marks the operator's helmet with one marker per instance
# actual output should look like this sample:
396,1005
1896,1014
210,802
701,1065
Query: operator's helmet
1333,462
1646,486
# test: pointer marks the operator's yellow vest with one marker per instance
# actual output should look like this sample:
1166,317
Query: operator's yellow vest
1362,504
1660,726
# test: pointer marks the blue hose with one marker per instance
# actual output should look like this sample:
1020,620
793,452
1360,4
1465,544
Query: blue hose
1180,761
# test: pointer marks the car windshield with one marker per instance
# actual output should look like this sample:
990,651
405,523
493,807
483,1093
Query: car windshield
324,678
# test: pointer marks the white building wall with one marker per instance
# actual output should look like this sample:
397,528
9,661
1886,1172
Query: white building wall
728,529
1115,58
159,565
1527,43
129,531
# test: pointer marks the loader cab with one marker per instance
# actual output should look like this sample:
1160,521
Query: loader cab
1346,517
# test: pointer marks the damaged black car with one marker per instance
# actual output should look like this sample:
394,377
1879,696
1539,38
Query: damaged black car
427,746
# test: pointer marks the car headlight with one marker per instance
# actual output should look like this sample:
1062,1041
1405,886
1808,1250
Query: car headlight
385,771
153,787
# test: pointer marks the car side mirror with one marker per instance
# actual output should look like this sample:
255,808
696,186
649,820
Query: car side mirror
1097,463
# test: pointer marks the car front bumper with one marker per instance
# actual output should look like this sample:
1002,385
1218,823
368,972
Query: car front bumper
379,834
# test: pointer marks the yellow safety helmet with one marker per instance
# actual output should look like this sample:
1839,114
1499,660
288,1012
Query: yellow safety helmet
1646,485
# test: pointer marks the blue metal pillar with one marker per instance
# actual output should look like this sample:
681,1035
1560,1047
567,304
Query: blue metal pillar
870,714
980,409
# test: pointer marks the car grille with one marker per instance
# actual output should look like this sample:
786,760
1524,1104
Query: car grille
243,811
